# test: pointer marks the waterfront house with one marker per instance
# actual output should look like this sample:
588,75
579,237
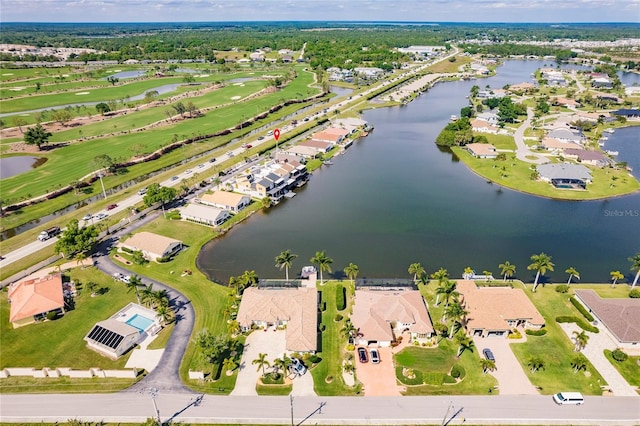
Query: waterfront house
152,246
483,127
482,150
226,200
204,214
553,144
495,311
620,318
566,135
593,158
295,309
565,175
380,316
31,300
320,146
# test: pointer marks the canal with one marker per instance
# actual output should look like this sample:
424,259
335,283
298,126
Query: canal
394,199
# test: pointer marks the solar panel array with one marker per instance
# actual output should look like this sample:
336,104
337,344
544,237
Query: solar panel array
105,337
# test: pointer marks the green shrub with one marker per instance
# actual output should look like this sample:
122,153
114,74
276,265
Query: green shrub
163,259
619,355
562,288
635,293
416,380
540,332
314,359
581,308
341,299
273,379
579,322
126,250
457,371
52,315
338,318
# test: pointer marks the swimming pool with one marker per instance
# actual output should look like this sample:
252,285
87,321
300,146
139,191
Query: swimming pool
140,322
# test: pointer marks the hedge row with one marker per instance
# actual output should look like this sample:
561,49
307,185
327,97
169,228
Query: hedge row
341,300
579,322
540,332
581,308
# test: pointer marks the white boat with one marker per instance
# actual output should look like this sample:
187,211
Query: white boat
307,270
612,152
609,130
453,117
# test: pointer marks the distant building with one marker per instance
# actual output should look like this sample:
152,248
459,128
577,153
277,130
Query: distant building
152,246
482,150
226,200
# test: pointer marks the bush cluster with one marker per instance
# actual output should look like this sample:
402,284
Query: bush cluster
619,355
562,288
341,299
540,332
581,308
635,293
579,322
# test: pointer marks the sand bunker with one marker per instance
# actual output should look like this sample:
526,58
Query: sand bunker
17,89
202,75
83,93
8,73
235,98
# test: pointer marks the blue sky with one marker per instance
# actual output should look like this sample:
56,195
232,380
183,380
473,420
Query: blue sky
326,10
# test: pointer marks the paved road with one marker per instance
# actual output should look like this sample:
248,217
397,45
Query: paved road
179,407
522,151
165,376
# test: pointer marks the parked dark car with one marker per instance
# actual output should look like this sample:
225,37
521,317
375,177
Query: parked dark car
488,354
362,355
111,206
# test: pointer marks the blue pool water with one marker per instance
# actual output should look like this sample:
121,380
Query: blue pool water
139,322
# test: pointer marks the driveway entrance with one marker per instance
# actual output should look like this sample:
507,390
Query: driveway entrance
378,379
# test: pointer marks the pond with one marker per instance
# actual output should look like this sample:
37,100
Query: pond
127,74
11,166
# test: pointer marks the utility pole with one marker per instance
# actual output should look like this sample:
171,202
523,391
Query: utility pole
102,183
444,420
153,393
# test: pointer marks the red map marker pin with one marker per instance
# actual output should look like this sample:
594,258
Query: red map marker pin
276,134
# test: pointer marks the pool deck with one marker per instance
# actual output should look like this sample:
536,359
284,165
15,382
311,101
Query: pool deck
131,310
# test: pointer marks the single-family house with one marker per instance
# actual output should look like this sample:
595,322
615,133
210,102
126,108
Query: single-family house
152,246
482,150
562,101
257,56
320,146
295,309
565,175
382,315
31,300
553,144
522,87
627,112
483,127
620,317
126,328
325,136
204,214
602,83
226,200
495,311
489,116
302,151
567,135
593,158
369,72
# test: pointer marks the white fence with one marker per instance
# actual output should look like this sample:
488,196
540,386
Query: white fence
68,372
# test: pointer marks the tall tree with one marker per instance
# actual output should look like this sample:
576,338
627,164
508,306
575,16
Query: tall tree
324,263
417,270
285,260
580,339
135,283
75,239
464,343
507,270
572,273
261,362
211,347
456,313
635,266
615,276
579,362
351,271
37,135
541,263
487,365
535,363
441,275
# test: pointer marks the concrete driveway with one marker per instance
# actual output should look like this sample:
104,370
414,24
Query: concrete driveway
267,342
511,378
378,379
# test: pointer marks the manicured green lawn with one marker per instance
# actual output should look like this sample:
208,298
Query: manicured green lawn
274,390
434,364
333,344
516,174
629,369
555,349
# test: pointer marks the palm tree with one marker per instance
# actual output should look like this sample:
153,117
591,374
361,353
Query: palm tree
233,327
285,260
449,292
635,265
349,331
147,294
507,269
248,278
352,271
417,270
278,364
572,273
468,271
487,365
455,312
441,275
159,298
165,314
324,263
487,275
464,342
134,284
615,276
541,262
261,362
579,362
229,364
535,363
581,338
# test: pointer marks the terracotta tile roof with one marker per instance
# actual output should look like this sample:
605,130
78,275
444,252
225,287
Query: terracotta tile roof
149,242
37,296
319,145
336,131
296,306
481,149
553,143
374,310
491,307
620,316
326,136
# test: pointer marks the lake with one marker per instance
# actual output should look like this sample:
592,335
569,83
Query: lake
394,199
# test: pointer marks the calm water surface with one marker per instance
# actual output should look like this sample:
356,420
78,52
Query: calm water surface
394,198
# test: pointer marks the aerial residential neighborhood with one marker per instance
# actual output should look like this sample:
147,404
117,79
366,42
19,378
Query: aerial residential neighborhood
305,222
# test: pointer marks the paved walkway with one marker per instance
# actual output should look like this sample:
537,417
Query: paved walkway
594,351
511,378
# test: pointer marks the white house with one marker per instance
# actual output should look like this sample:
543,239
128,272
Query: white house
226,200
204,214
152,246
